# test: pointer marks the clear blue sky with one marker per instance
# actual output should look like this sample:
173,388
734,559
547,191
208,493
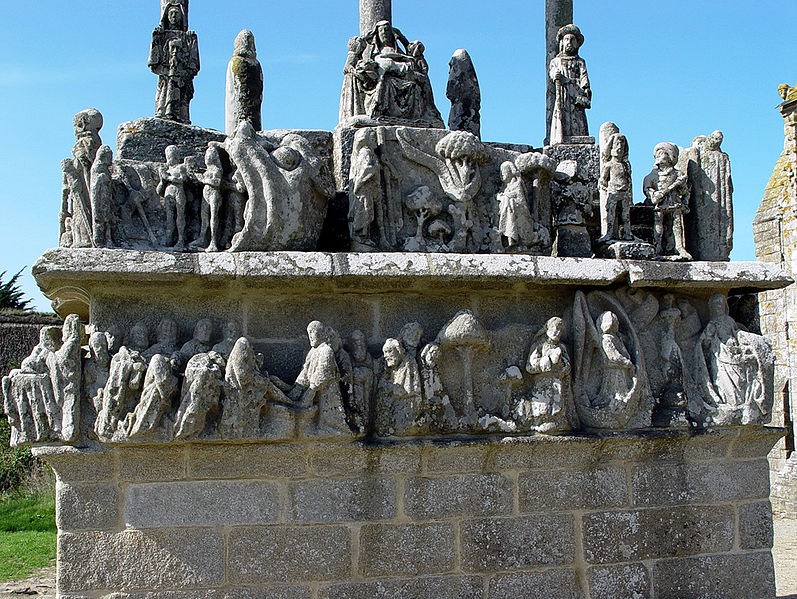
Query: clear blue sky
664,71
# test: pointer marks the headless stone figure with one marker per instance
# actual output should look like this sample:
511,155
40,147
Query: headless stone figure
244,84
465,95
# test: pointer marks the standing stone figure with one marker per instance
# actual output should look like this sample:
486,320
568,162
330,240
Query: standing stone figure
711,216
465,95
200,396
244,84
76,202
101,194
362,379
733,369
399,401
441,414
212,180
352,96
317,383
245,394
668,189
122,391
616,191
515,223
96,370
172,189
568,72
159,390
552,396
174,58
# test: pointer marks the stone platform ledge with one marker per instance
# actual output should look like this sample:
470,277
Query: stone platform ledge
59,268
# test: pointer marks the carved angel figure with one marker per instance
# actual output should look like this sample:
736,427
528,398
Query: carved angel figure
734,369
610,381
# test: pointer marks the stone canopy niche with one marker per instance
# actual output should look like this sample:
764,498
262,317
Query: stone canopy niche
393,360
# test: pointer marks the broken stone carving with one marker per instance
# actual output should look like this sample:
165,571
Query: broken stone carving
386,81
464,93
42,398
244,84
734,369
667,189
174,58
616,189
572,208
710,221
520,230
568,72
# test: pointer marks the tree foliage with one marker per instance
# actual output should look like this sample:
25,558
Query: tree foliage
11,296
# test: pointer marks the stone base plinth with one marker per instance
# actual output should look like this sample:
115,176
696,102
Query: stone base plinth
670,515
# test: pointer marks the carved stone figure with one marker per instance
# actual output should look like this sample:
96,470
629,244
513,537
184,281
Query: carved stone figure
212,198
711,208
137,339
317,383
410,338
246,391
200,342
174,58
441,414
568,72
345,366
734,369
667,189
96,370
547,409
122,391
457,168
616,191
165,340
399,400
244,84
152,413
172,189
671,408
362,379
75,202
287,189
515,223
232,332
42,397
385,83
101,194
364,195
609,378
200,395
465,95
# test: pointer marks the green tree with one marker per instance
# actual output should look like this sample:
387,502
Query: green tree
11,296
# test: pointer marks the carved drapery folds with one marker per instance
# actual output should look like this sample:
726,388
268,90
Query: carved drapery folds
621,360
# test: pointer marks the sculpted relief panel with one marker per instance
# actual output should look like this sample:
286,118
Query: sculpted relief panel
621,360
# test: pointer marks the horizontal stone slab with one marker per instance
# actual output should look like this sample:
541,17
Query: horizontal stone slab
62,267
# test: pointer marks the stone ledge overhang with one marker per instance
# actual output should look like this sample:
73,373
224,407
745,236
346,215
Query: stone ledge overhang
88,268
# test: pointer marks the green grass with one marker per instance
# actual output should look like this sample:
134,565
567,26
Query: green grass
27,533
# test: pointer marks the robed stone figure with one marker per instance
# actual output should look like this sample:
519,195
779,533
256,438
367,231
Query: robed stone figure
568,72
174,58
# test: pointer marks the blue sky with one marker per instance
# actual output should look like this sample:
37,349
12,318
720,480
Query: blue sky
664,71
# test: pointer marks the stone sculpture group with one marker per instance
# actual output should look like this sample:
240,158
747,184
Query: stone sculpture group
619,361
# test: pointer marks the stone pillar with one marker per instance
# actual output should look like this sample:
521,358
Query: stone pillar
373,11
558,13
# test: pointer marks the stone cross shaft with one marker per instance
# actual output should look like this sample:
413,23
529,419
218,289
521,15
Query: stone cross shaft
373,11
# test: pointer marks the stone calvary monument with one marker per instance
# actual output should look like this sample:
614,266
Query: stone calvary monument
395,360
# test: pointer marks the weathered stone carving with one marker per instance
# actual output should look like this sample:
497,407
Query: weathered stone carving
465,95
616,190
174,58
568,72
212,199
399,402
733,369
232,332
520,230
201,395
610,382
165,340
151,418
244,84
317,387
363,380
457,167
171,188
550,406
385,83
572,208
122,392
667,189
42,398
710,221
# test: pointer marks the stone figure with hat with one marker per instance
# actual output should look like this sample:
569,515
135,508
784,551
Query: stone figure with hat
568,71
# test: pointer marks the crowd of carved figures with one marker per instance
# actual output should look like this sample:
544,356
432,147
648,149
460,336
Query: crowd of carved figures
620,360
411,184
